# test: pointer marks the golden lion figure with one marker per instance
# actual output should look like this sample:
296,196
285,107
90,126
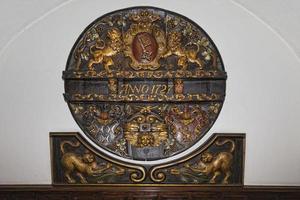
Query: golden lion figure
215,165
80,165
103,54
184,55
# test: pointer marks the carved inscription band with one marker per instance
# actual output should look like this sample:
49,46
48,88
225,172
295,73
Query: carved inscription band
144,83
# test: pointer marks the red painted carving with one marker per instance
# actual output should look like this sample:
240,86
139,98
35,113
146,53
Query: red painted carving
144,47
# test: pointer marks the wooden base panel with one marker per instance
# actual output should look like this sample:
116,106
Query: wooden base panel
49,192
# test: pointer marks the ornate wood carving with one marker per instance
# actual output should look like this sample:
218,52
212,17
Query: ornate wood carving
219,161
144,83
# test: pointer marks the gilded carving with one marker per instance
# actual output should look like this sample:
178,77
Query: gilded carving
133,130
146,97
185,55
157,74
144,40
214,165
147,38
84,165
187,122
74,161
178,86
113,85
146,128
144,83
102,53
218,161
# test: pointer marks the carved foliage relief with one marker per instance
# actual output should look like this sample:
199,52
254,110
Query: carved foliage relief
218,161
144,83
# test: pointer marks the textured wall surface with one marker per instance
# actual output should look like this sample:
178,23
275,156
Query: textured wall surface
260,49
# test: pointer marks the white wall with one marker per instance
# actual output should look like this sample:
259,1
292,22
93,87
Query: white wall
263,84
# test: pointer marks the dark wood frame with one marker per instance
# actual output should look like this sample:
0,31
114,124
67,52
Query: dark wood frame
50,192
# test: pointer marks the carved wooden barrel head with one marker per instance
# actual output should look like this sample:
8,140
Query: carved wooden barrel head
144,83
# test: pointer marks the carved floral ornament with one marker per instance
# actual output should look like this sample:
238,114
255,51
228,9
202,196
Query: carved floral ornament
218,161
144,83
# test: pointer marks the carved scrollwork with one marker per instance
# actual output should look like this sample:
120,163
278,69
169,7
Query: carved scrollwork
157,74
213,164
149,38
218,161
144,83
145,97
144,40
145,132
80,164
85,165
